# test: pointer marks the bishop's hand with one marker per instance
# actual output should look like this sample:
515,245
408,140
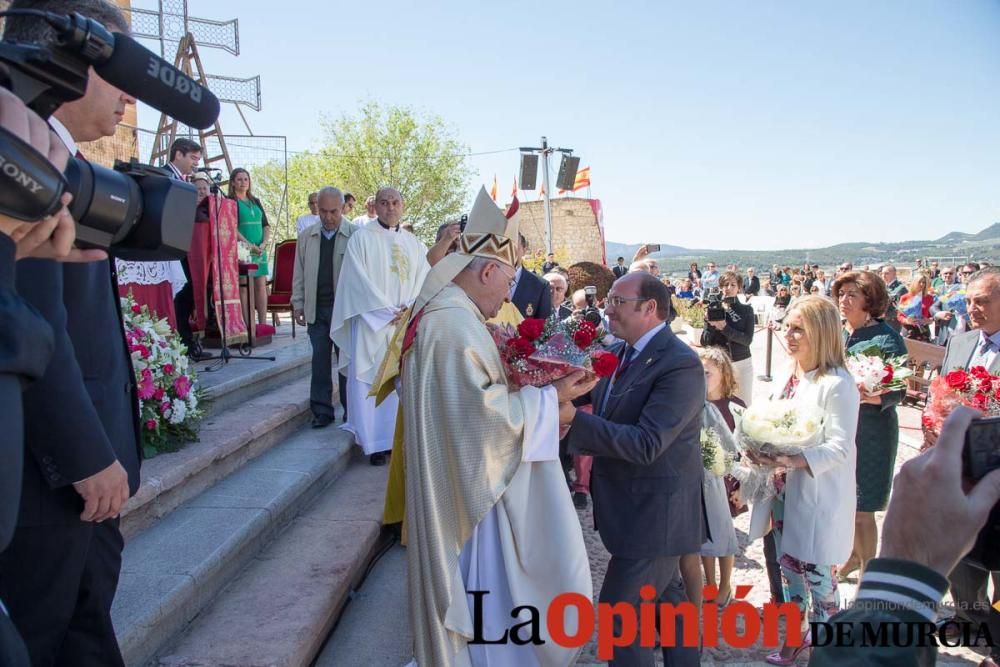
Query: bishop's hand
574,385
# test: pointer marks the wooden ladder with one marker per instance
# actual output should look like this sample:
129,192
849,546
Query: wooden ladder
189,61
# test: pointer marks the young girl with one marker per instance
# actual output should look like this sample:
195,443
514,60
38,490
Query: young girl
720,389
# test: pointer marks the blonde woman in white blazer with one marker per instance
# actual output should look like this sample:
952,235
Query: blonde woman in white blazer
813,517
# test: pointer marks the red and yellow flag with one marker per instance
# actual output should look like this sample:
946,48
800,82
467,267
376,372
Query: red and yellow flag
493,190
582,180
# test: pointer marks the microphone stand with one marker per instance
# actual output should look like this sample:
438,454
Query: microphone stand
246,352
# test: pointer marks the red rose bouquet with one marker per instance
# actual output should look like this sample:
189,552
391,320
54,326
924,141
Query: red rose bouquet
537,352
976,388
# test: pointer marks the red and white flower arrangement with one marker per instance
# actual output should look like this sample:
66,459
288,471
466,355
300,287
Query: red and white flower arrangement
170,404
976,388
875,373
537,352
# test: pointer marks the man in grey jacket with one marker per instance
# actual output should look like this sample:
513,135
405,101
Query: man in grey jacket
319,255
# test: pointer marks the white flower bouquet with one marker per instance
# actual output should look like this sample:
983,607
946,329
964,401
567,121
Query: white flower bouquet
773,428
170,403
718,449
712,456
875,373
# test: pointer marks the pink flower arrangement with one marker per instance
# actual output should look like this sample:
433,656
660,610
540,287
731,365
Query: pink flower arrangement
169,400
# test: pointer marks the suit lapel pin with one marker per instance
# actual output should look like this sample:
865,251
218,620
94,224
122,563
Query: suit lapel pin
649,361
529,310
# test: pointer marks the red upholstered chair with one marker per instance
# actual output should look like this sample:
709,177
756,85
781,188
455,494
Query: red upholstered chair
280,299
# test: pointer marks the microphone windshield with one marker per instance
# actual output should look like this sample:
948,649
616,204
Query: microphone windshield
142,74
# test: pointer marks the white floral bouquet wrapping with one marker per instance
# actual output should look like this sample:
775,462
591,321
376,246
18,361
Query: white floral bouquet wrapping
874,372
243,254
718,449
170,404
773,428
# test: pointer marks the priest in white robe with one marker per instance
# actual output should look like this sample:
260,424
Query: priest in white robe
383,269
486,500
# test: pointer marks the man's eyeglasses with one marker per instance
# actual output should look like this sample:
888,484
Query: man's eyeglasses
619,301
966,273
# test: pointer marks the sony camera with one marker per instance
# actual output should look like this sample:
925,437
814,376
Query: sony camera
591,313
715,309
136,209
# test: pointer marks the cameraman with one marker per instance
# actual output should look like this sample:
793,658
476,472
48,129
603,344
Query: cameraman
729,324
26,339
81,425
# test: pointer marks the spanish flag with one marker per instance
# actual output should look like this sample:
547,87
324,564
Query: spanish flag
582,180
493,190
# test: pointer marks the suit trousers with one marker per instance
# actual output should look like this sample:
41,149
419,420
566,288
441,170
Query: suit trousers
968,588
58,583
323,350
183,307
622,582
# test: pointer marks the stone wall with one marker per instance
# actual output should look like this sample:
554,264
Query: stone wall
574,228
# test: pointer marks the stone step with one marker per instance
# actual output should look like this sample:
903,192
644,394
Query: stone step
280,609
171,570
241,379
227,441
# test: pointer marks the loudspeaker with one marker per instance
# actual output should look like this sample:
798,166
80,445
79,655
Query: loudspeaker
567,172
529,171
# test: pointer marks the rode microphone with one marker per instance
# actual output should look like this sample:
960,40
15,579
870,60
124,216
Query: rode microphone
134,69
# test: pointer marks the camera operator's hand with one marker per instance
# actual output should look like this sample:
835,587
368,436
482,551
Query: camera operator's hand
928,498
53,237
104,493
641,252
717,324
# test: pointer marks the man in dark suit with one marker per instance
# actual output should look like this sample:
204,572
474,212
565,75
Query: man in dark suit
751,283
619,269
558,286
644,435
979,347
58,576
185,155
530,293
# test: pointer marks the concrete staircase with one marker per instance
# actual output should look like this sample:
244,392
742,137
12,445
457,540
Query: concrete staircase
241,548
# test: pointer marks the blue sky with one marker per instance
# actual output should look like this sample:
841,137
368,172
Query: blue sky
706,124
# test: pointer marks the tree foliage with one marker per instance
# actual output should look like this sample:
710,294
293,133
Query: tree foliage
377,146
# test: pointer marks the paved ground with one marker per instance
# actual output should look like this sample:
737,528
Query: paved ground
374,629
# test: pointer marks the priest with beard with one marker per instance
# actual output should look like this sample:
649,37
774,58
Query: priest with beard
486,499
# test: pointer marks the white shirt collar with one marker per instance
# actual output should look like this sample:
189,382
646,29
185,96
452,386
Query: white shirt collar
64,135
177,171
646,337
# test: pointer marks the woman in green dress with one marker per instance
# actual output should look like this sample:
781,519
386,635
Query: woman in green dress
255,231
863,298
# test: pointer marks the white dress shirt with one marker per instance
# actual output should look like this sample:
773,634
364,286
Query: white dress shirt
304,222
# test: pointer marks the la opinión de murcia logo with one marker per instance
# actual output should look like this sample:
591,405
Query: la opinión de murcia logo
739,625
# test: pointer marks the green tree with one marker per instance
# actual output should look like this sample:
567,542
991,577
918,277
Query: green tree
378,146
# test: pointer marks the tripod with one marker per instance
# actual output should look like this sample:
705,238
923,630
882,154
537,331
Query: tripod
246,352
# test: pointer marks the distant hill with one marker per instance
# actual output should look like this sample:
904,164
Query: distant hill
950,248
